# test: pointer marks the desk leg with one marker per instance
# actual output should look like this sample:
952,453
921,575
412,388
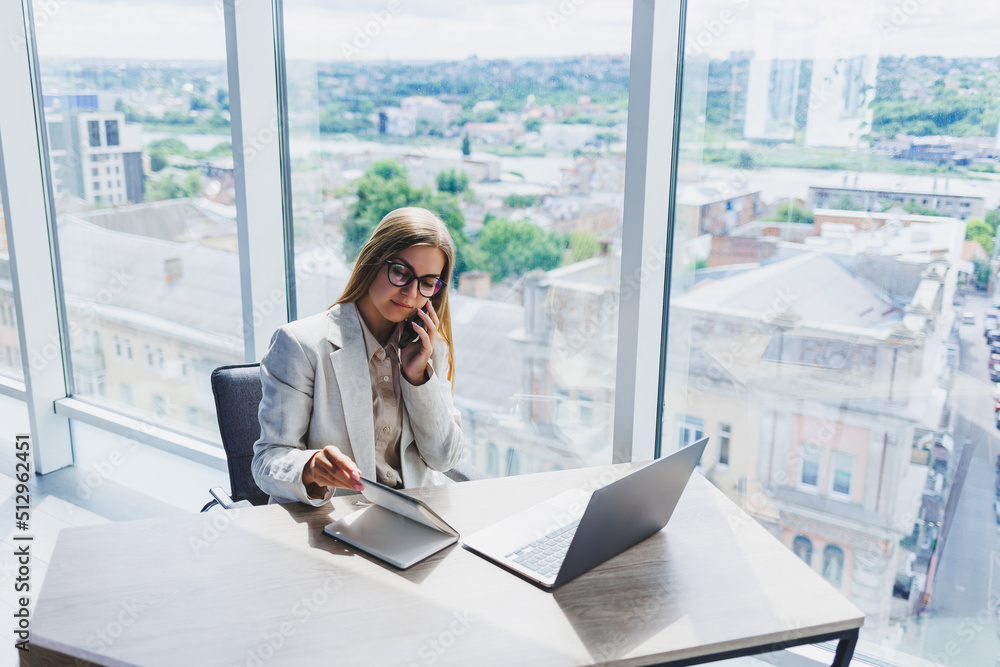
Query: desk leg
845,649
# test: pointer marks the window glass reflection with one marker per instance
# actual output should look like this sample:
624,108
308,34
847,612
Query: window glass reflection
508,121
142,176
833,281
10,346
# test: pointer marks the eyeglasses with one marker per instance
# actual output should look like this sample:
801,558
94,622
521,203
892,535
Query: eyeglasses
401,275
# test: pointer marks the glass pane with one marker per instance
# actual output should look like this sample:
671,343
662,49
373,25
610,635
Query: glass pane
508,121
142,172
10,346
835,221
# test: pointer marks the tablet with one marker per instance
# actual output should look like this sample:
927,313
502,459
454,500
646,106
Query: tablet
396,528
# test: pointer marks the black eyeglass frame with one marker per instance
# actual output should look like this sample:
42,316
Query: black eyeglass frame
438,283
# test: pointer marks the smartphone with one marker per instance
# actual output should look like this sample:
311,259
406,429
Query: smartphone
408,335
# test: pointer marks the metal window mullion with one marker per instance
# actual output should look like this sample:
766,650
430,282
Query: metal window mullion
281,72
254,96
653,114
30,235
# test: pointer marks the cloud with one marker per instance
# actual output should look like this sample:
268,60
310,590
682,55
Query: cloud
797,29
456,29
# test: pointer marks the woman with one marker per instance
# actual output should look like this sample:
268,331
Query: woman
344,396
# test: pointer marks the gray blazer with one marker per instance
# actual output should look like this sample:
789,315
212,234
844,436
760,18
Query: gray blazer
317,392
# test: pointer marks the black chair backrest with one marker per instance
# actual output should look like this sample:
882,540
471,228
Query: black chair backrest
237,396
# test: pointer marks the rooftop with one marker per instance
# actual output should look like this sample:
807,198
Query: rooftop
901,184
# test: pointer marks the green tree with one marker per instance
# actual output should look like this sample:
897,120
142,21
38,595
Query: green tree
466,145
446,207
169,187
913,208
223,149
191,187
453,181
582,246
746,160
844,202
792,213
981,275
199,103
533,125
514,247
521,201
384,187
977,230
170,146
218,121
993,220
605,138
157,159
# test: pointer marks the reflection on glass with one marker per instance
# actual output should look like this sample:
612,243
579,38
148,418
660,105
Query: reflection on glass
142,175
10,346
833,231
513,132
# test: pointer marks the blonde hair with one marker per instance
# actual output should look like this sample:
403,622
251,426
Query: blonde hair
399,230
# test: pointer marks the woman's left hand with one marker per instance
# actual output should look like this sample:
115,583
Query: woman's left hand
413,358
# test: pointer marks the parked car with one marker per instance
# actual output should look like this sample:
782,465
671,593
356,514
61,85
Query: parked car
996,510
968,317
993,335
992,322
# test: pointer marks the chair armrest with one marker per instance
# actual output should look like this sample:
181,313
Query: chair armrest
465,472
223,500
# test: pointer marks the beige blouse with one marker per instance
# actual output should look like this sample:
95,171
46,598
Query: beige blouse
387,405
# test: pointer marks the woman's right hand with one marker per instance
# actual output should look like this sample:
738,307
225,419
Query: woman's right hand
330,467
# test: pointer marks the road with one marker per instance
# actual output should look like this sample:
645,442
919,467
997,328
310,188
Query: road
961,626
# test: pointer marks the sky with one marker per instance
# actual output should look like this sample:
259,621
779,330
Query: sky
457,29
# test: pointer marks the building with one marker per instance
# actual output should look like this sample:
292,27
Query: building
95,155
397,122
430,110
772,99
875,193
575,136
840,98
715,207
825,390
493,134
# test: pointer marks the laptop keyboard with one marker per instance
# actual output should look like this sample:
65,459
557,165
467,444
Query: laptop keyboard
545,555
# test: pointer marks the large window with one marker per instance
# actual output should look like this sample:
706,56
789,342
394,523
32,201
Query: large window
512,130
832,224
142,177
834,221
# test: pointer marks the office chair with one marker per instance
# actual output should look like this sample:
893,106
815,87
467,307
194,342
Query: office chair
237,396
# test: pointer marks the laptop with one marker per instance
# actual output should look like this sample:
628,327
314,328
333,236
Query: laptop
567,535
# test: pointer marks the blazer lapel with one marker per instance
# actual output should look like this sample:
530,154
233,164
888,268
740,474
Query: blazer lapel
350,369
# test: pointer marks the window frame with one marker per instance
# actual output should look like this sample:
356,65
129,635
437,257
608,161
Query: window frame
804,457
725,439
807,541
832,481
828,551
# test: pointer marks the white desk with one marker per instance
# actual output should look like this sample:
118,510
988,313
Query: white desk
266,586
